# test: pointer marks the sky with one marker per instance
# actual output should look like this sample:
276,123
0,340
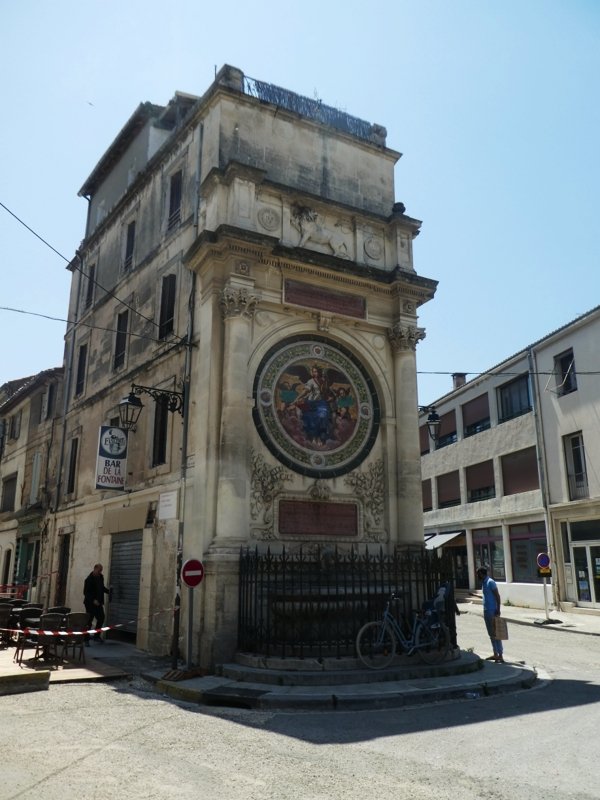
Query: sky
494,106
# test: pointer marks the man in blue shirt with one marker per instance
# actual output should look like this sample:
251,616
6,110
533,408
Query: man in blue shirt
491,609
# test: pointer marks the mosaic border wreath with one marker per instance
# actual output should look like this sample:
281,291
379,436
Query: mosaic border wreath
322,439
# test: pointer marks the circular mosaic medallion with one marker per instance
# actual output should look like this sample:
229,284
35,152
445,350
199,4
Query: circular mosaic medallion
315,407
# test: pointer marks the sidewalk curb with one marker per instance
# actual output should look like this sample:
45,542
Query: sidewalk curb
215,691
24,682
558,626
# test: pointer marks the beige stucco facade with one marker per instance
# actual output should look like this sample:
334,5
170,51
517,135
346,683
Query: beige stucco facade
222,230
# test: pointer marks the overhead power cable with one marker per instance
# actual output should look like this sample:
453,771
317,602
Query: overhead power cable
84,324
81,270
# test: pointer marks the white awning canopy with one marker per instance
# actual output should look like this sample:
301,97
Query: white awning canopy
438,539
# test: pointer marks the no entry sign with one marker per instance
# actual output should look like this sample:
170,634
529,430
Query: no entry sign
192,572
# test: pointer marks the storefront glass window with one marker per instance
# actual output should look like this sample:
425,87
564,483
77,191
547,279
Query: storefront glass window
526,541
489,552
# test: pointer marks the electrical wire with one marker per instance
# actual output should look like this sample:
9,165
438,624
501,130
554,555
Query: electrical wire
81,270
84,324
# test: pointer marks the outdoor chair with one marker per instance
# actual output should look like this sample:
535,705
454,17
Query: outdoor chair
64,610
5,614
48,642
74,640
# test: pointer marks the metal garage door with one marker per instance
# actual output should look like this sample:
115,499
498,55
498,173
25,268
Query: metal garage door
125,569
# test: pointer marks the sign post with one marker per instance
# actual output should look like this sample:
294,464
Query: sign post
192,573
543,562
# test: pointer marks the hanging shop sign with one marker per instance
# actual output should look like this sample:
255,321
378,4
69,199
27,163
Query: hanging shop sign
111,463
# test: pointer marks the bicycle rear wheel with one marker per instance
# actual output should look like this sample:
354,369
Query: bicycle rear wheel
432,642
376,645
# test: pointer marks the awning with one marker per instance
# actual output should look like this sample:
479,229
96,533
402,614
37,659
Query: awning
438,539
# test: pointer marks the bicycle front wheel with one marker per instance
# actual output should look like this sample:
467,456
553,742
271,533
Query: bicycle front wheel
376,645
432,643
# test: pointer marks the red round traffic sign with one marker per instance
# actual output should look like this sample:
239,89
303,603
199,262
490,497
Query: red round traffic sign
192,572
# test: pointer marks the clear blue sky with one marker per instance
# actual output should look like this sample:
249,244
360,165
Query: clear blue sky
494,105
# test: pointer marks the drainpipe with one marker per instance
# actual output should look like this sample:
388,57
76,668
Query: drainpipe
543,470
187,382
69,360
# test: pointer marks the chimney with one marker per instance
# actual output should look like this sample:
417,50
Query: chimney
458,379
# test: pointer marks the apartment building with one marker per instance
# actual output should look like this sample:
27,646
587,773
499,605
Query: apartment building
515,470
30,411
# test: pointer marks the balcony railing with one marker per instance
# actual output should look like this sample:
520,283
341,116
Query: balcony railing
313,109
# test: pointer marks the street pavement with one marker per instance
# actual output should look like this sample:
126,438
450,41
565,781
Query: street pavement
310,686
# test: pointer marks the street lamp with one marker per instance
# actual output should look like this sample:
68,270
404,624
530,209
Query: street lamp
433,422
131,407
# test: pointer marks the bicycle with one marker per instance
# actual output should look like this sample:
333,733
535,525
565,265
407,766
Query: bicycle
376,642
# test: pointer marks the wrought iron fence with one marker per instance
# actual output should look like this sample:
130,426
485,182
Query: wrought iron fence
313,109
312,603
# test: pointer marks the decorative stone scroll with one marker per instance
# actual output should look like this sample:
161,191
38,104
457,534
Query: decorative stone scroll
238,302
405,337
369,486
266,483
315,406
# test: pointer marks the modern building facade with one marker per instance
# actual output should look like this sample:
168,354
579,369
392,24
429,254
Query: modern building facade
514,472
247,274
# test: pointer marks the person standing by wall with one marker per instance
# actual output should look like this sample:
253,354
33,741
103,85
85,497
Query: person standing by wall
491,609
93,599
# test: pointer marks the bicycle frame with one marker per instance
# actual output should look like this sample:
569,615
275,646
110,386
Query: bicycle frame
408,643
377,641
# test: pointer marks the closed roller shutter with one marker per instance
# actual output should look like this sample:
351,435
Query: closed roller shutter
125,569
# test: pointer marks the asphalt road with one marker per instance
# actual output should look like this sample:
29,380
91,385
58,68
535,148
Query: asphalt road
123,741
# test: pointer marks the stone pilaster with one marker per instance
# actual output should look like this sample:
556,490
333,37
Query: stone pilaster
403,339
238,304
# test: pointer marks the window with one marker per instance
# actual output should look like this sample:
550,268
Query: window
159,441
15,426
89,289
121,340
480,481
426,491
513,398
166,320
6,567
175,188
424,439
72,473
9,493
448,489
81,365
489,551
129,246
564,369
447,430
36,470
47,405
520,471
476,415
526,541
575,464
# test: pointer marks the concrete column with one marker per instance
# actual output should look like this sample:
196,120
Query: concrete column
238,305
507,553
471,559
403,339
